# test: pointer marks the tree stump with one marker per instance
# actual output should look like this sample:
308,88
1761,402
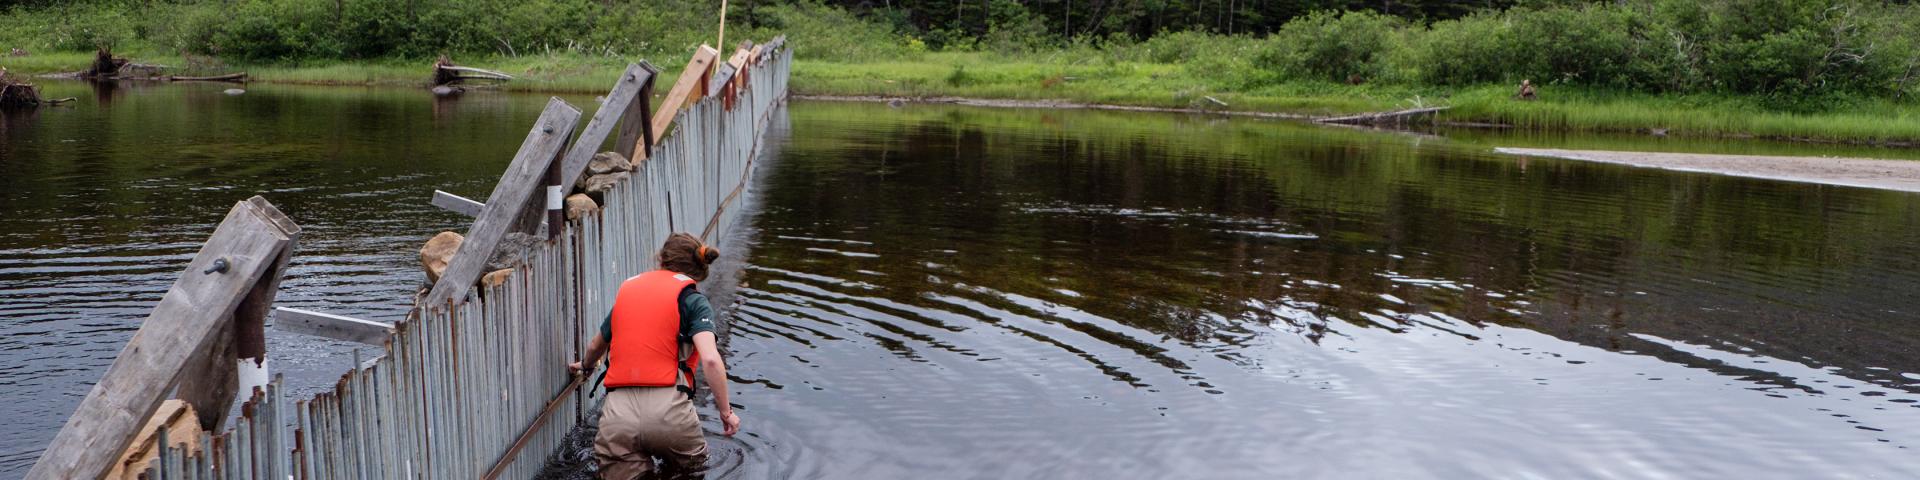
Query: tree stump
17,94
105,65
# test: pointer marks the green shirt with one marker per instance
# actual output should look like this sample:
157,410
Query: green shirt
696,315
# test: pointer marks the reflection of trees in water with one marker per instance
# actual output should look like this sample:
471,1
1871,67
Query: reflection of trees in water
445,107
14,124
1588,253
105,92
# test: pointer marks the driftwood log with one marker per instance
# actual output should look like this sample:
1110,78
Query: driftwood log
231,77
1401,117
446,73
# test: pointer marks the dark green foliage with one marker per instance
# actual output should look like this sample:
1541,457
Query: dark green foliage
831,33
1333,46
1801,55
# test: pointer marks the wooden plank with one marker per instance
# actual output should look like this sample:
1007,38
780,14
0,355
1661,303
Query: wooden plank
198,305
182,427
684,89
541,148
624,92
637,135
773,46
641,114
337,327
457,204
250,319
217,383
724,75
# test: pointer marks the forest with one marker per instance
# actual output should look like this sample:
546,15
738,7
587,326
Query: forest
1733,56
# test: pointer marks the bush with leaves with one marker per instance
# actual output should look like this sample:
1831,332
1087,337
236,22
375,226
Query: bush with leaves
1333,46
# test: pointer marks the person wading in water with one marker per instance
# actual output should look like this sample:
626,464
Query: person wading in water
660,332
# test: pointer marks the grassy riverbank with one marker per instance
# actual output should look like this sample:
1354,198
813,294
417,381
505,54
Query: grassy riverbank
1822,70
1053,77
1048,77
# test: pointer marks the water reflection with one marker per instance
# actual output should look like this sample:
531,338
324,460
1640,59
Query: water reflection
1117,295
959,292
103,203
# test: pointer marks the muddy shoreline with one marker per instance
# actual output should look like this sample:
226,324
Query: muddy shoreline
1898,175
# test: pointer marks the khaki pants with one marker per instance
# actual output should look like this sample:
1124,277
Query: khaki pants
640,423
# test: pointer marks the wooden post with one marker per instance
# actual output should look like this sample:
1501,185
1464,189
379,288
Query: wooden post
637,135
628,95
248,246
553,197
643,115
217,380
722,40
722,81
510,196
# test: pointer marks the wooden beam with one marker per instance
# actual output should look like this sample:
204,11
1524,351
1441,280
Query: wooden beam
617,106
243,248
541,148
684,89
457,204
337,327
773,46
217,383
250,319
724,75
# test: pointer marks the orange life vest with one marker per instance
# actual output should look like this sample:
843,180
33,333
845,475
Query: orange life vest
646,346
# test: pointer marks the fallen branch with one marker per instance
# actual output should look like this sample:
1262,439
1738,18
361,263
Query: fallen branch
1399,117
479,72
446,73
231,77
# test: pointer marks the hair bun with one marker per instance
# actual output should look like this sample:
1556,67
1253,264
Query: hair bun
707,254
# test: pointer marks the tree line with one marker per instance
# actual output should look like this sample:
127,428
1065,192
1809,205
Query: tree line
1797,53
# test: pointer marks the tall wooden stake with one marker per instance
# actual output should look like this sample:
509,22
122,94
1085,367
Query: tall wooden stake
723,24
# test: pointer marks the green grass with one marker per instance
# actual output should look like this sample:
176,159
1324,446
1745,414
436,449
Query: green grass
1041,77
1080,78
1052,77
542,73
1869,121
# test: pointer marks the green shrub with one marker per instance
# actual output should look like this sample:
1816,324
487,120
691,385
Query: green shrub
1461,52
1333,46
831,33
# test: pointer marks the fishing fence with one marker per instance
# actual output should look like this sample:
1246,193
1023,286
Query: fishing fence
477,387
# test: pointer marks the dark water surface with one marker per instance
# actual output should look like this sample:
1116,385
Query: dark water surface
103,204
937,291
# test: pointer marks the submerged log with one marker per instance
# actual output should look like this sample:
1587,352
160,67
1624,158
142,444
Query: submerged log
1402,117
231,77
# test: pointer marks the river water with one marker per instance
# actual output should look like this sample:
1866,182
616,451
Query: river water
942,291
